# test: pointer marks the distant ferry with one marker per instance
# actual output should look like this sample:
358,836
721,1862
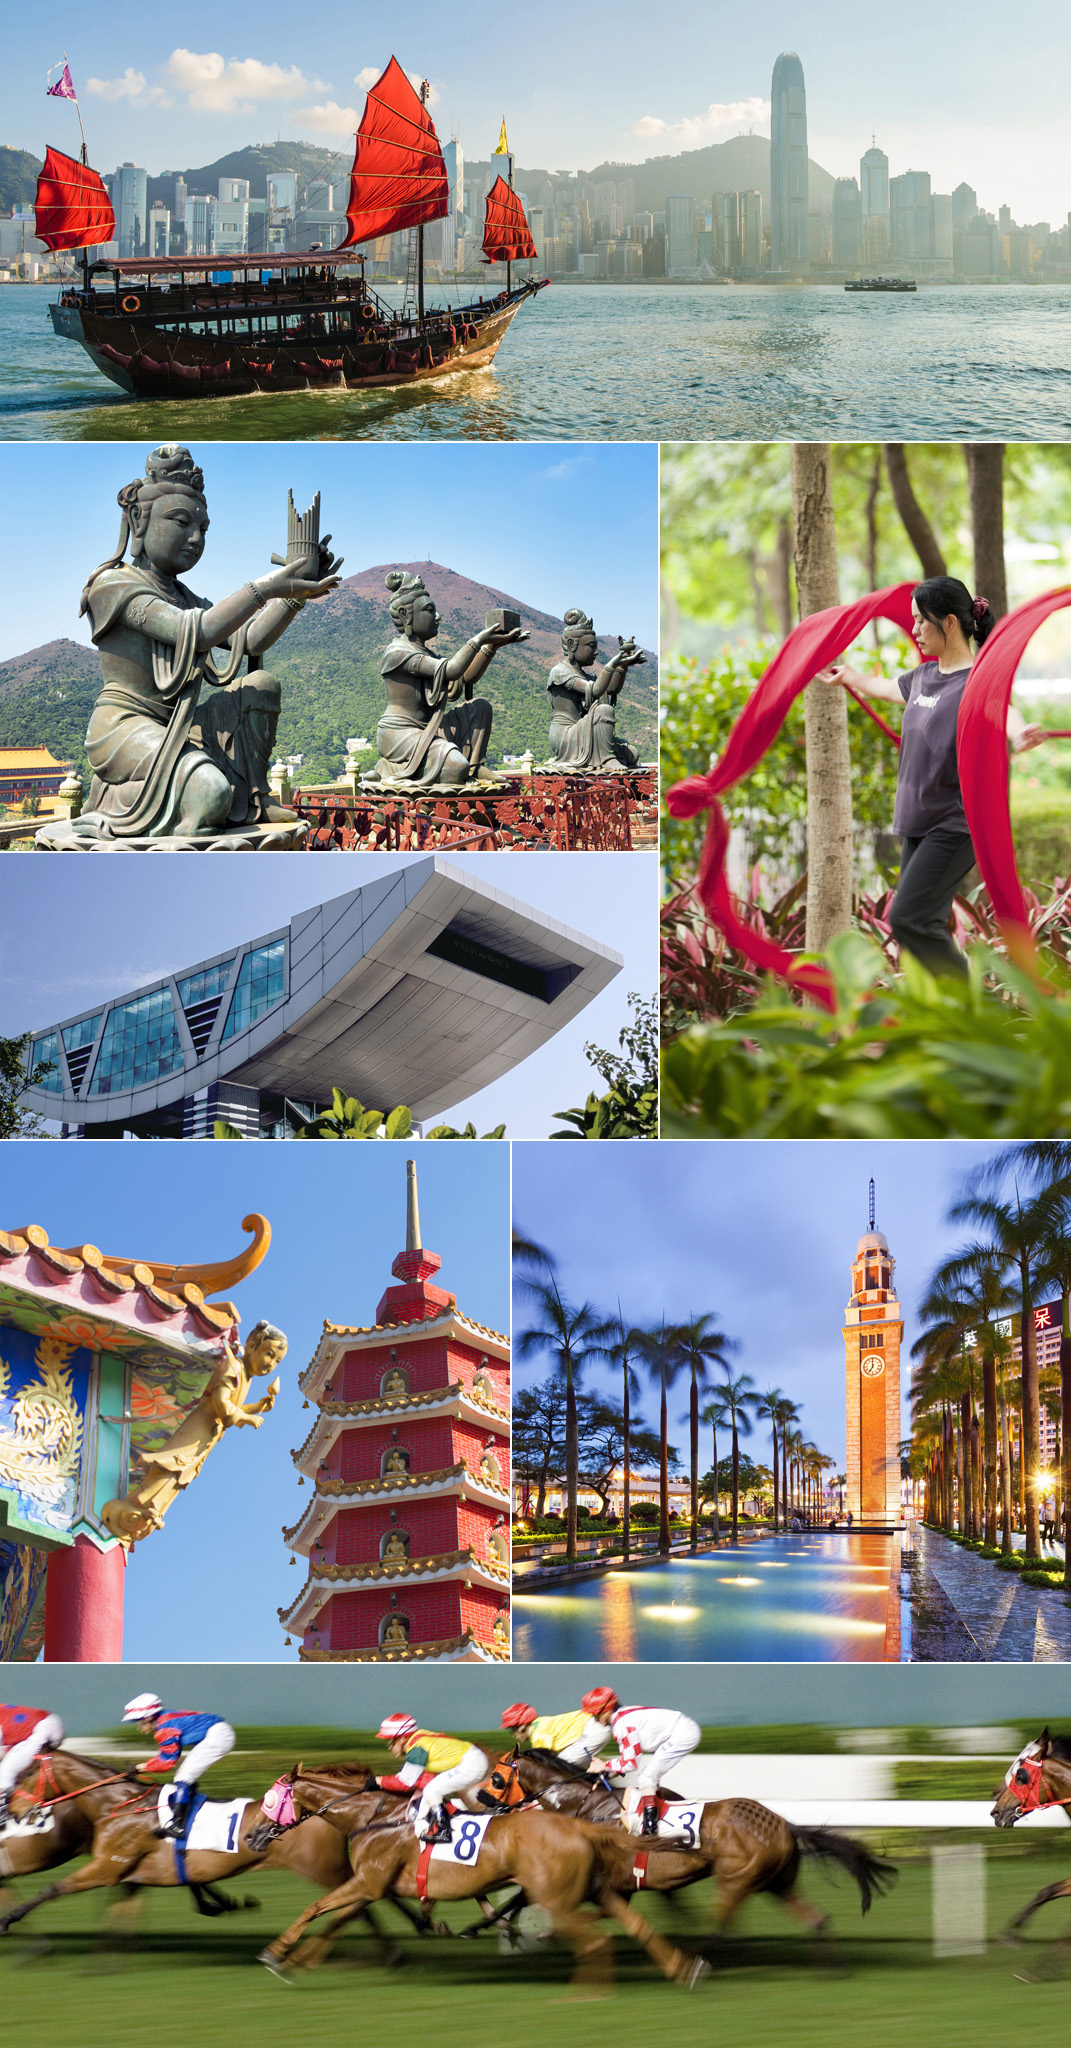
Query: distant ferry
881,284
220,326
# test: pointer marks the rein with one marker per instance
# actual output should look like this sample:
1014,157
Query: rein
46,1775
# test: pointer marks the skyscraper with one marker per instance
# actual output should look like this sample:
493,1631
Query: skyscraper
874,187
789,196
682,248
847,224
128,188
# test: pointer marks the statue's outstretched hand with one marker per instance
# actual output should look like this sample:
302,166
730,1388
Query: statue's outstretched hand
490,637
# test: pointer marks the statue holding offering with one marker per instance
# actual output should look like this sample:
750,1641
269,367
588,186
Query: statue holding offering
433,733
584,705
167,764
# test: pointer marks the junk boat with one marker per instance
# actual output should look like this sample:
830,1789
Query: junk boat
881,284
220,327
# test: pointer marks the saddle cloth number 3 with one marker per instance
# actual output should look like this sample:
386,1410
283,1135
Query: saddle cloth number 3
468,1832
682,1820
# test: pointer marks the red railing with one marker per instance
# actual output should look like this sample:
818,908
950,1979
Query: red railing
565,813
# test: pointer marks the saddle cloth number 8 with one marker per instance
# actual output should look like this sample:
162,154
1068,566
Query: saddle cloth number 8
468,1833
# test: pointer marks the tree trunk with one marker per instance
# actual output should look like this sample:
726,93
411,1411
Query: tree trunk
966,1472
989,1410
571,1463
915,523
1005,1475
663,1475
693,1439
627,1502
985,480
1031,1449
1065,1433
873,488
829,768
736,1478
717,1515
774,1435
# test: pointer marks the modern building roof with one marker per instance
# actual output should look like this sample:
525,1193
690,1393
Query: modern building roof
420,987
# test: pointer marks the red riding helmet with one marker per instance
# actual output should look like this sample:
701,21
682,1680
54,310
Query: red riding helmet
518,1716
599,1698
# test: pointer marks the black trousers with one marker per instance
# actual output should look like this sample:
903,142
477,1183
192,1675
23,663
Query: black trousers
931,870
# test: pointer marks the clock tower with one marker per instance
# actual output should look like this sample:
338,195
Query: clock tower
873,1329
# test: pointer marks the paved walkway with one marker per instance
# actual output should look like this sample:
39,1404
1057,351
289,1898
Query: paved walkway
963,1610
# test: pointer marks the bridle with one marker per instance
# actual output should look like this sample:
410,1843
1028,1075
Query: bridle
1031,1776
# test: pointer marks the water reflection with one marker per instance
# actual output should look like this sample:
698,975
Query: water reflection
826,1603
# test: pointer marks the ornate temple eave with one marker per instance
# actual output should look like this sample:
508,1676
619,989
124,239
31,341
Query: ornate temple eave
325,1581
332,1494
81,1285
338,1338
451,1650
455,1401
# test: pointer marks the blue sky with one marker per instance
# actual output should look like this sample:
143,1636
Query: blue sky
68,945
208,1585
761,1235
555,526
979,96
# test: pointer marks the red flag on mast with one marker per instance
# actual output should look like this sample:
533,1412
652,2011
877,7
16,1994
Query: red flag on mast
399,177
506,234
72,207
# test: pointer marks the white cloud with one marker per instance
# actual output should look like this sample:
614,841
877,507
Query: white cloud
131,86
722,119
330,119
561,471
225,87
367,78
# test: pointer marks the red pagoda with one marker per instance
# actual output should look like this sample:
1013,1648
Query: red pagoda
407,1532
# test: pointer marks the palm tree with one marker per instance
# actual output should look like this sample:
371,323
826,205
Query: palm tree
715,1412
699,1346
787,1416
738,1395
627,1344
663,1360
769,1410
974,1279
572,1337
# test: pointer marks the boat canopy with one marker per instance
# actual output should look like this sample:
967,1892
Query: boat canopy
72,207
399,176
506,234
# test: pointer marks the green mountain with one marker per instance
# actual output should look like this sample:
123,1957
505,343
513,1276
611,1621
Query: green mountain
256,162
328,664
740,165
18,177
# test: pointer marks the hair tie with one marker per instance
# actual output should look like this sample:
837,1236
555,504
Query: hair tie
979,607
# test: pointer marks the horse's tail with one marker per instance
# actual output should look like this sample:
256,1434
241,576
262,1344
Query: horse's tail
871,1873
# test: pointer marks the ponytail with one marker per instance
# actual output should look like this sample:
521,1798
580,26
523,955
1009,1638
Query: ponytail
941,596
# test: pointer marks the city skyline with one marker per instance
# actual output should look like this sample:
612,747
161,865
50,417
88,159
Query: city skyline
178,104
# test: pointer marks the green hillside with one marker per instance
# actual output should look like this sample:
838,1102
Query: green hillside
257,161
18,177
328,664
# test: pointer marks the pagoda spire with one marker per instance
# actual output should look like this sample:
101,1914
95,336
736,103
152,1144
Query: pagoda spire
412,1208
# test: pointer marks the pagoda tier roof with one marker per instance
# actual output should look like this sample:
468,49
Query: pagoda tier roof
329,1579
102,1301
338,1338
467,1648
12,759
454,1399
335,1493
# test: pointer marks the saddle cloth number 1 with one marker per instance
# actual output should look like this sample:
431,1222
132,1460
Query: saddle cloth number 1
468,1832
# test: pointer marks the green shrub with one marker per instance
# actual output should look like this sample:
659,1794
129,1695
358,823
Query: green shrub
1041,829
988,1056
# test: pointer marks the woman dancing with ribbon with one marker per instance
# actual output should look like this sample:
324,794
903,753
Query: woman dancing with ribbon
937,852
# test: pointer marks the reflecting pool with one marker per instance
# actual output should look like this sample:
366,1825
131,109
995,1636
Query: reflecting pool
783,1599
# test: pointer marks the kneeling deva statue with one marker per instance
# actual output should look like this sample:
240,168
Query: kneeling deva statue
168,767
433,734
584,704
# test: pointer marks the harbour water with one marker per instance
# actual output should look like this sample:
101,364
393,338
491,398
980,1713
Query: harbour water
640,362
791,1599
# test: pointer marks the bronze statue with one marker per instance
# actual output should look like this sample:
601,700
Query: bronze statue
433,732
584,706
222,1406
167,766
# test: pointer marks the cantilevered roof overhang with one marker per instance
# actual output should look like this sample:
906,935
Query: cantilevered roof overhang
420,987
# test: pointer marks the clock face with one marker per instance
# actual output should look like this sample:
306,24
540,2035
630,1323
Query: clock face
873,1365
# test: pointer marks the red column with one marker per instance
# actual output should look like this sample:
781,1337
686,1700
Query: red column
84,1604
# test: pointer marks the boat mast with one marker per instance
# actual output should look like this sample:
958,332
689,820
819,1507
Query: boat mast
509,265
425,88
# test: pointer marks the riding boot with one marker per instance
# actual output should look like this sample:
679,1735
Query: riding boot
180,1807
5,1808
440,1829
649,1815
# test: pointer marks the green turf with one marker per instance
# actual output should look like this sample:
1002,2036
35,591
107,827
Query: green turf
184,1982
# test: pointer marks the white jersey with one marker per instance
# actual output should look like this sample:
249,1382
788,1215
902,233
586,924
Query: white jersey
645,1729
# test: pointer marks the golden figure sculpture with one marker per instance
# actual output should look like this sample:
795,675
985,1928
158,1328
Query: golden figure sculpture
500,1632
489,1469
396,1547
395,1383
396,1633
397,1462
222,1406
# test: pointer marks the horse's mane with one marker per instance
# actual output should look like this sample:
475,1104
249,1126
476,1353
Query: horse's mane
111,1767
557,1763
1060,1747
337,1771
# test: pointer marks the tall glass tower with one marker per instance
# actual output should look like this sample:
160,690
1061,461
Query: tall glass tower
788,166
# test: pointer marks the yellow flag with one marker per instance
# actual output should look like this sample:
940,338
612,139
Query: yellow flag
503,145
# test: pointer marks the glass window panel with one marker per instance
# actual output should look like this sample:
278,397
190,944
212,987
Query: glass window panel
43,1050
200,988
260,985
140,1043
82,1033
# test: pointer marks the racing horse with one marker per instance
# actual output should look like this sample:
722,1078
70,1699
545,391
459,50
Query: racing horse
116,1816
1039,1777
557,1861
744,1846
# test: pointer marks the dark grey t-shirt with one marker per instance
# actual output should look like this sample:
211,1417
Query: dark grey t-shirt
927,791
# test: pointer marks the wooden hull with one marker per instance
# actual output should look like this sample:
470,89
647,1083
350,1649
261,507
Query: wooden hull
148,362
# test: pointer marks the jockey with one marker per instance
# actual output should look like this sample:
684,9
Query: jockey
24,1733
650,1741
445,1764
576,1737
207,1737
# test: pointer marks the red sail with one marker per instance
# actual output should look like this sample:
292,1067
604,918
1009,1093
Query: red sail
399,177
73,209
506,234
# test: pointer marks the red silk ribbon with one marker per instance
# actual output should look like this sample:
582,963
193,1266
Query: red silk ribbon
811,646
981,748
